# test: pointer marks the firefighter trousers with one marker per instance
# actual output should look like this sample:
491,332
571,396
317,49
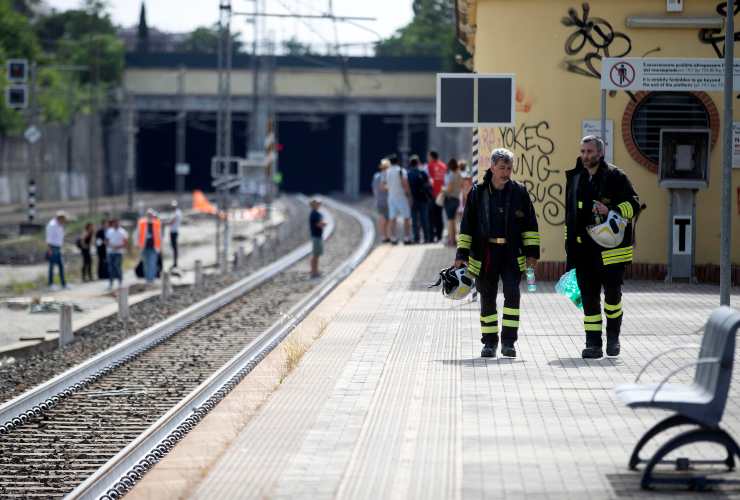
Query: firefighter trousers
592,276
499,264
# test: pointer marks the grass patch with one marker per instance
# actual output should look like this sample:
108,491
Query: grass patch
294,351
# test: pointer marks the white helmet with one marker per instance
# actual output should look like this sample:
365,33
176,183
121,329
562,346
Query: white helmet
456,283
611,232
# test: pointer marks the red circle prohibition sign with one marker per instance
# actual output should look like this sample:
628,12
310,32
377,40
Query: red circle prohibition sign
622,74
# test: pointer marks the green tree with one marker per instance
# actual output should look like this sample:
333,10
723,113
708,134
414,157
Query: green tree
142,33
294,47
204,40
430,33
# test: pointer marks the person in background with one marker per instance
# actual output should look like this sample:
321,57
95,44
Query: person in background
116,240
316,225
85,245
453,192
437,171
398,200
150,243
421,193
55,242
380,194
100,249
174,224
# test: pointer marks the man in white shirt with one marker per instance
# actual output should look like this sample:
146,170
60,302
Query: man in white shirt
55,242
116,239
398,200
174,223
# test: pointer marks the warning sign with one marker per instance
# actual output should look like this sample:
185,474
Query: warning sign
622,74
667,74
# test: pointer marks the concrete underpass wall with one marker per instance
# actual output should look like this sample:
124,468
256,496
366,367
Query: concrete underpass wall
59,162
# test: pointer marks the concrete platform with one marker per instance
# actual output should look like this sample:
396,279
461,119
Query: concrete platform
391,399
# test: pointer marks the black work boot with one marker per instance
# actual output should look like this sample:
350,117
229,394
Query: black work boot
593,346
612,344
488,351
507,349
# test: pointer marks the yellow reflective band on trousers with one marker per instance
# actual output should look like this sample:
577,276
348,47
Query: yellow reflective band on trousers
464,241
626,208
511,312
592,323
511,323
489,319
489,329
613,311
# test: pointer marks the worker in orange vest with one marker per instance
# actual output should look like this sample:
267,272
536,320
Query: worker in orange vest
150,243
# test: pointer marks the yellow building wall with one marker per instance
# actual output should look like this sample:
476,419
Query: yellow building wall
527,37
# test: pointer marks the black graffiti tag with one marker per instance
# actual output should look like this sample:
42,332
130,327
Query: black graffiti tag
714,36
597,37
533,147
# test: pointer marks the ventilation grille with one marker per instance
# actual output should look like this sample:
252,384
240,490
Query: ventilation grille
665,110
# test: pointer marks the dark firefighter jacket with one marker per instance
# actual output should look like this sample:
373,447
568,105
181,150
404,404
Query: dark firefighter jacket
615,191
522,234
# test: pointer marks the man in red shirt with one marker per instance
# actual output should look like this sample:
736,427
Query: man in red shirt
437,171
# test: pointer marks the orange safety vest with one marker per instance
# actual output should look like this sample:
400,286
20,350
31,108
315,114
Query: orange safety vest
156,229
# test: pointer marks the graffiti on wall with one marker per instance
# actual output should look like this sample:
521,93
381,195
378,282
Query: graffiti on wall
715,36
533,148
593,39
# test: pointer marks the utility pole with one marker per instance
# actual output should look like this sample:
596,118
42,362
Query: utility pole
130,152
181,135
94,177
33,170
725,262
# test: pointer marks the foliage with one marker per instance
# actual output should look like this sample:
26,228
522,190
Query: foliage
55,42
430,33
204,40
294,47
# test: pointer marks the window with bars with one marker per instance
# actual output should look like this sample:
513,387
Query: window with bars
665,110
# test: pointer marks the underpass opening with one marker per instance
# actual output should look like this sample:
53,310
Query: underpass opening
312,158
156,148
381,136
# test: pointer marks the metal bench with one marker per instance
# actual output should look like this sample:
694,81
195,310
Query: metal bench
700,404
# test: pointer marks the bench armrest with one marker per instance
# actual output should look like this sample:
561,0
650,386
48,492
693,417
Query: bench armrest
701,361
659,355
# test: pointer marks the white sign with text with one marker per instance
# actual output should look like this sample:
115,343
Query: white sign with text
666,74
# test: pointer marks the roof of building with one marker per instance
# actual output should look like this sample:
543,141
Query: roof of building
209,61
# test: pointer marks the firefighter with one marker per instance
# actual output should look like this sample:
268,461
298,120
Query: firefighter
593,189
498,238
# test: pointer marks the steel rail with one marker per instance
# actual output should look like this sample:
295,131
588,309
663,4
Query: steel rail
36,401
120,473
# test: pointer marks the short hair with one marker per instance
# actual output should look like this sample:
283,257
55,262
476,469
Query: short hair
434,155
501,154
452,165
414,161
393,159
596,140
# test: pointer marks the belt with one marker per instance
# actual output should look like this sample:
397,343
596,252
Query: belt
497,241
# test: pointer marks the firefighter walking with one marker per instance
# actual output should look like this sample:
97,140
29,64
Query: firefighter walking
600,206
498,238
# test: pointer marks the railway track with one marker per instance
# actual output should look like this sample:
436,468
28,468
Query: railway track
94,430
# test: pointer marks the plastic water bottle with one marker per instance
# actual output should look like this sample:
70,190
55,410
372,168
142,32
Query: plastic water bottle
531,283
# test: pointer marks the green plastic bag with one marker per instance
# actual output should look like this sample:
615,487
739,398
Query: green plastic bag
567,286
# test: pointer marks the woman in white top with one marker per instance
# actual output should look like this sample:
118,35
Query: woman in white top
453,192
